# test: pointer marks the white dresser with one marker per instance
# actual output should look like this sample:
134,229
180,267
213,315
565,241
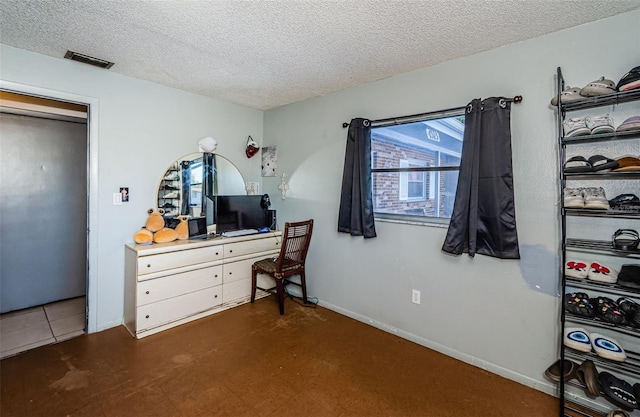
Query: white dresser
169,284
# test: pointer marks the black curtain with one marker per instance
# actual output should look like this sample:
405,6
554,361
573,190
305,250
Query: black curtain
484,218
356,201
186,187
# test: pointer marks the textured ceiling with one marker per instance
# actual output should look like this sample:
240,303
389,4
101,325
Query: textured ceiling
264,54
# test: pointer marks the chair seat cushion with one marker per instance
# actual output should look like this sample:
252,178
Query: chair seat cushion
269,266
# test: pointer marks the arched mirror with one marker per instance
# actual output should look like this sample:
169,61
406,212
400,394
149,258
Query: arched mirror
193,179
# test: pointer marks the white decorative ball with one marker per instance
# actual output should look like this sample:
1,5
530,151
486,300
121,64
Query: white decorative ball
207,144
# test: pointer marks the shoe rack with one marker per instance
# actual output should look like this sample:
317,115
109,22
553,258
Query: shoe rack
169,192
584,236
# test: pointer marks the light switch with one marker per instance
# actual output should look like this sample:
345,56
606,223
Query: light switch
117,199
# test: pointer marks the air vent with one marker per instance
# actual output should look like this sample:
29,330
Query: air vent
86,59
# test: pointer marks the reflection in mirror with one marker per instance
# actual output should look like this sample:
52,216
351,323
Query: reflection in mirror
189,180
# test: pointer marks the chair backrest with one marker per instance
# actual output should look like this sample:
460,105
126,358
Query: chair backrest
295,245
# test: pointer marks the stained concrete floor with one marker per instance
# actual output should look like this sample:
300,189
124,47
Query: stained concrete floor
250,361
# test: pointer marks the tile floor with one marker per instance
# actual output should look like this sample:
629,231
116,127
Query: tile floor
38,326
251,362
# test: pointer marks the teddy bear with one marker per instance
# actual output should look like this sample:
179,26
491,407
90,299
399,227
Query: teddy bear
155,230
182,229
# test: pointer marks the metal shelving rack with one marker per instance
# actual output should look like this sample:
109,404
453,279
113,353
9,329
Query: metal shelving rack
631,366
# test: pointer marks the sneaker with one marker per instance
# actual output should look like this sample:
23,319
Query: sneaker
600,124
568,95
172,176
632,123
625,202
598,87
575,127
595,198
573,198
173,194
630,80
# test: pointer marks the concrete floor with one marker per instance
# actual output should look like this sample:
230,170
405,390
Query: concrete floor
250,361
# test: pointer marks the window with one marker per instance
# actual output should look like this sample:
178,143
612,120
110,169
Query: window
415,166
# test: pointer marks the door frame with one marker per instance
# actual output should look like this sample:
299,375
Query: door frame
92,104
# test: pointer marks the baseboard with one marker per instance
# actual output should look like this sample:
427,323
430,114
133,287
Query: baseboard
539,385
108,325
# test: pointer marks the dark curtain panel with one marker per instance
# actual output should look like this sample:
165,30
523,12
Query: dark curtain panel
356,201
186,187
484,218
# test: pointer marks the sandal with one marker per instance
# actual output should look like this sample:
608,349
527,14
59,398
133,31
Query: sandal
608,310
600,163
577,164
579,304
618,413
626,239
587,375
553,372
618,391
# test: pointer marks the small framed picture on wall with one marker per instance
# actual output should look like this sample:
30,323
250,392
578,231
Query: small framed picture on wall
269,161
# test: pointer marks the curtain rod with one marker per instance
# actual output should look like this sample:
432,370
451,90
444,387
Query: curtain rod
515,99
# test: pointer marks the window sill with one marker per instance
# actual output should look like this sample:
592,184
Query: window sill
439,223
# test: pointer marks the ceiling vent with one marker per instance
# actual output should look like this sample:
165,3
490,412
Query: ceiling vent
86,59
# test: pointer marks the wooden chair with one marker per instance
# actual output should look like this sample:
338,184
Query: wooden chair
290,261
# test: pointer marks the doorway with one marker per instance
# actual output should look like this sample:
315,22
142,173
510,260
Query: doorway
44,219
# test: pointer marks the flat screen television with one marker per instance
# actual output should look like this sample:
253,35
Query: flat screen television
236,212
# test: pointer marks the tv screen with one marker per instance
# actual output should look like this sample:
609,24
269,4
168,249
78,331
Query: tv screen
236,212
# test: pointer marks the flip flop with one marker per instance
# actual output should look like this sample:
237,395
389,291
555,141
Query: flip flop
617,391
553,372
607,347
587,375
577,164
600,163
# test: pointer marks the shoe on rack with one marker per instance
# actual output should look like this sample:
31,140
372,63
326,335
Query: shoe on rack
575,126
602,273
602,163
577,164
629,276
618,391
630,80
173,194
575,269
625,202
553,372
598,87
600,124
618,412
630,124
628,163
573,198
580,304
172,176
587,375
595,198
568,95
608,310
608,348
577,338
627,305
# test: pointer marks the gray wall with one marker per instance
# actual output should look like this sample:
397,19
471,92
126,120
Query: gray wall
501,315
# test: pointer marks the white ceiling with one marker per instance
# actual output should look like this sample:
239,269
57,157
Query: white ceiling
265,54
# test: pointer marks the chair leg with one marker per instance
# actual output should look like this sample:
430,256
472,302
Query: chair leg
254,278
280,290
303,284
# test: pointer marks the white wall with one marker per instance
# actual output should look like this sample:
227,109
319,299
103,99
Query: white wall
142,128
501,315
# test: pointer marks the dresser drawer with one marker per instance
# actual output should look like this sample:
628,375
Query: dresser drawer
251,246
154,290
176,308
164,261
236,290
234,271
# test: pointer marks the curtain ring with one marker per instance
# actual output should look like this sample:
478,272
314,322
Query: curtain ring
469,108
502,103
366,123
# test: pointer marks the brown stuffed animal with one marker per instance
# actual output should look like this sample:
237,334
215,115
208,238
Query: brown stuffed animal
164,235
155,221
183,228
143,236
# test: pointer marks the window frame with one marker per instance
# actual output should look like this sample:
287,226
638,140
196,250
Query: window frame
431,173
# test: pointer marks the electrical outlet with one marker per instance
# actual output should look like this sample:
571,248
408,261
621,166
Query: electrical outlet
415,296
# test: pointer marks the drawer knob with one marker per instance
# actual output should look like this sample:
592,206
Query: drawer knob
215,296
148,265
147,292
230,250
147,316
215,276
216,253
